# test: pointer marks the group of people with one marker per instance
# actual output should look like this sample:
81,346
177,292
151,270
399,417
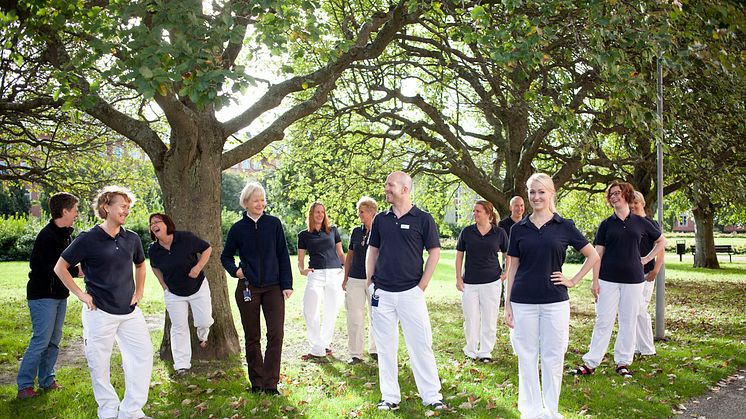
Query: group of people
384,274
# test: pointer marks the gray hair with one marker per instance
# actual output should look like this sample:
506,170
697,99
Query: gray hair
248,191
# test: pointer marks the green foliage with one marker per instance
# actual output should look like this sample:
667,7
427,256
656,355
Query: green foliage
231,184
13,200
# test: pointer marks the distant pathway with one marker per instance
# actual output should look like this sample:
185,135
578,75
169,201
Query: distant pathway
726,400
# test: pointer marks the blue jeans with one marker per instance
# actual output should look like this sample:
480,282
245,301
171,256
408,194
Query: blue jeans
47,317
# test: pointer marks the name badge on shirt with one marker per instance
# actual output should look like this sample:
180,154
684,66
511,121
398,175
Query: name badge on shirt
405,226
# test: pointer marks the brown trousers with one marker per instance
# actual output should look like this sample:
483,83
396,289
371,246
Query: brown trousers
263,372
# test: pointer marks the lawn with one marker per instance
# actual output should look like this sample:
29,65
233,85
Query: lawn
706,326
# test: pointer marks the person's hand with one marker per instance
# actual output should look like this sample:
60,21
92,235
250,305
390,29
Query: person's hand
460,284
136,297
86,299
422,287
650,276
239,274
595,290
194,272
305,272
508,315
287,293
559,279
644,260
503,276
344,284
80,271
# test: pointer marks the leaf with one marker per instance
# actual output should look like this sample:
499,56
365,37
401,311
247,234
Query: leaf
146,72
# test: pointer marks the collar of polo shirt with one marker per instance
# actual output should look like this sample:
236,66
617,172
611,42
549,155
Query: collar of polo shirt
556,218
414,211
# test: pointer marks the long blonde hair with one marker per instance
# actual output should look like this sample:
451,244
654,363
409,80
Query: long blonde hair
326,225
546,181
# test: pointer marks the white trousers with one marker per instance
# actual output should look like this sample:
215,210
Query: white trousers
645,344
100,330
324,286
621,299
481,304
357,302
540,330
409,308
178,311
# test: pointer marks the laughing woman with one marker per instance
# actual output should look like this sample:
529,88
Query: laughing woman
177,259
324,247
538,305
481,282
618,281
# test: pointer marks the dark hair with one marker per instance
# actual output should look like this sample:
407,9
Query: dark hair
628,192
170,226
490,209
60,201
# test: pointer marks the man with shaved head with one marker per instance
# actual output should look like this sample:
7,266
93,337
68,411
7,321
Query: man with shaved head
394,267
517,207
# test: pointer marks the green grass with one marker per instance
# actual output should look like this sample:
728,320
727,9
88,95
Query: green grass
705,324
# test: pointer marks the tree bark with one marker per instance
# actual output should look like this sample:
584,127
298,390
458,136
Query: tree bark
704,214
190,182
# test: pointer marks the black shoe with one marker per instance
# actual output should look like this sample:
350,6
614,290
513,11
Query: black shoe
256,389
374,356
384,405
354,360
271,391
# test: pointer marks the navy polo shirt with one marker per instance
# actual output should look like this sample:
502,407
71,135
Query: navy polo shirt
482,264
620,262
506,223
107,264
176,263
400,242
646,245
541,251
321,248
359,247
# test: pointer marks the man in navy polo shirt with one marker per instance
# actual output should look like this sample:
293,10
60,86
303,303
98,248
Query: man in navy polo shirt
394,267
106,253
517,207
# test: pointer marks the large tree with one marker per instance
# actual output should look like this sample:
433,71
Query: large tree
496,90
112,60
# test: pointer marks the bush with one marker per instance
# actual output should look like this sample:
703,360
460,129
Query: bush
17,234
573,256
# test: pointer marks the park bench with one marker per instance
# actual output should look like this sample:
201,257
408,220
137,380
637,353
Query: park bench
719,248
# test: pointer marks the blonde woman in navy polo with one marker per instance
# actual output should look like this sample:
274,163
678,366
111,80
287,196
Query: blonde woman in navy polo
618,281
538,307
481,282
325,275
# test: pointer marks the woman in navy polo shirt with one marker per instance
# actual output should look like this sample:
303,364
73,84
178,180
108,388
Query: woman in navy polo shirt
481,282
538,307
177,259
325,275
618,282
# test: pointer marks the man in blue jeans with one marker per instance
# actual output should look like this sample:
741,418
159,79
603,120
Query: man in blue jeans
47,297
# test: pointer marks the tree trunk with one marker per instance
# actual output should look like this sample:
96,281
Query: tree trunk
190,182
705,256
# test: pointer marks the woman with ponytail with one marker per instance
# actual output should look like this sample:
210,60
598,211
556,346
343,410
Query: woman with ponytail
481,281
537,307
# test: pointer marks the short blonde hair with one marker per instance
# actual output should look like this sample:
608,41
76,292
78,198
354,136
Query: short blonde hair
106,195
639,197
250,189
367,203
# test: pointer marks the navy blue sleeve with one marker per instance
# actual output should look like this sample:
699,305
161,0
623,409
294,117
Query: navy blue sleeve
600,239
229,251
337,238
430,231
153,260
513,245
283,259
139,256
302,241
460,243
575,237
75,253
503,239
652,230
353,238
375,237
197,244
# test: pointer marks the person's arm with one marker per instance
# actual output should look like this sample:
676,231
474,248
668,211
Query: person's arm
512,264
660,246
504,275
347,266
61,269
459,266
433,255
283,260
302,263
140,272
595,285
591,259
650,276
340,253
371,257
229,252
203,258
158,274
